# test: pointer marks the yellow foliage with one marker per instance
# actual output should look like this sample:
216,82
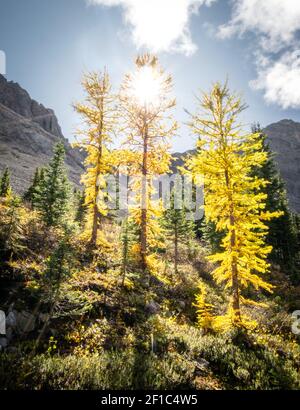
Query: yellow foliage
148,129
100,119
232,318
205,317
234,200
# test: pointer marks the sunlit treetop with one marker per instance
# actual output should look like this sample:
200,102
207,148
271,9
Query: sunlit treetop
147,89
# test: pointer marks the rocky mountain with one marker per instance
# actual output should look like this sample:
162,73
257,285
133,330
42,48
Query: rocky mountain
284,140
28,133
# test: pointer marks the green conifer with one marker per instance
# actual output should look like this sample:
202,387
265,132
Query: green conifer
53,193
177,227
5,183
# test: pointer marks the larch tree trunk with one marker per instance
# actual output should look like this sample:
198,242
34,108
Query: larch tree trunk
176,249
234,267
144,202
97,188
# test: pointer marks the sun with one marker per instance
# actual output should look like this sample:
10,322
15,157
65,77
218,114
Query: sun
147,86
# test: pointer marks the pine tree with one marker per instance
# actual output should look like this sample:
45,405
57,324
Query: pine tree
177,227
58,269
33,190
145,103
234,199
100,117
211,235
80,207
53,191
11,225
5,183
282,234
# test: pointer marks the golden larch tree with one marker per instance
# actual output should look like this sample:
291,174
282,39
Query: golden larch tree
145,103
234,200
100,119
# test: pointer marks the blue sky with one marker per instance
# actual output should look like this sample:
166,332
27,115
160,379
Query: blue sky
50,43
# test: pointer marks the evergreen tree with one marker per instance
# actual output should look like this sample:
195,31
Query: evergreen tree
234,200
177,227
145,103
53,192
5,183
99,115
211,235
59,264
282,235
58,269
33,190
11,226
80,207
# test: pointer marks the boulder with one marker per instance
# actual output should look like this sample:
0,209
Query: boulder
201,366
25,322
152,308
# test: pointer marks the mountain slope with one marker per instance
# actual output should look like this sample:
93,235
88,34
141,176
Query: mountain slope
28,133
284,141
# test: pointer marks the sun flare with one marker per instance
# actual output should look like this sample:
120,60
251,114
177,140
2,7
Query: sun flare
147,86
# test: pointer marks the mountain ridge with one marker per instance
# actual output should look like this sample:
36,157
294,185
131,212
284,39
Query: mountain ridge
28,133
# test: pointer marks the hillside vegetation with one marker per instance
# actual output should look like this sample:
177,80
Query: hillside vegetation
147,297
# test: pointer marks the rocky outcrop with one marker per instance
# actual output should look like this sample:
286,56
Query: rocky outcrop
18,324
284,141
28,133
18,100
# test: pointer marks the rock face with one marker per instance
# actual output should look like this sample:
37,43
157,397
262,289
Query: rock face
28,133
18,100
284,141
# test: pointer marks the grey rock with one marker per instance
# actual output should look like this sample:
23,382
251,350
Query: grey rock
284,140
9,334
18,100
25,322
3,343
201,366
11,320
152,308
28,133
43,317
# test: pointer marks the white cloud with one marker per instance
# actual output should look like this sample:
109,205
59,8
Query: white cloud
159,25
280,81
275,25
274,21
